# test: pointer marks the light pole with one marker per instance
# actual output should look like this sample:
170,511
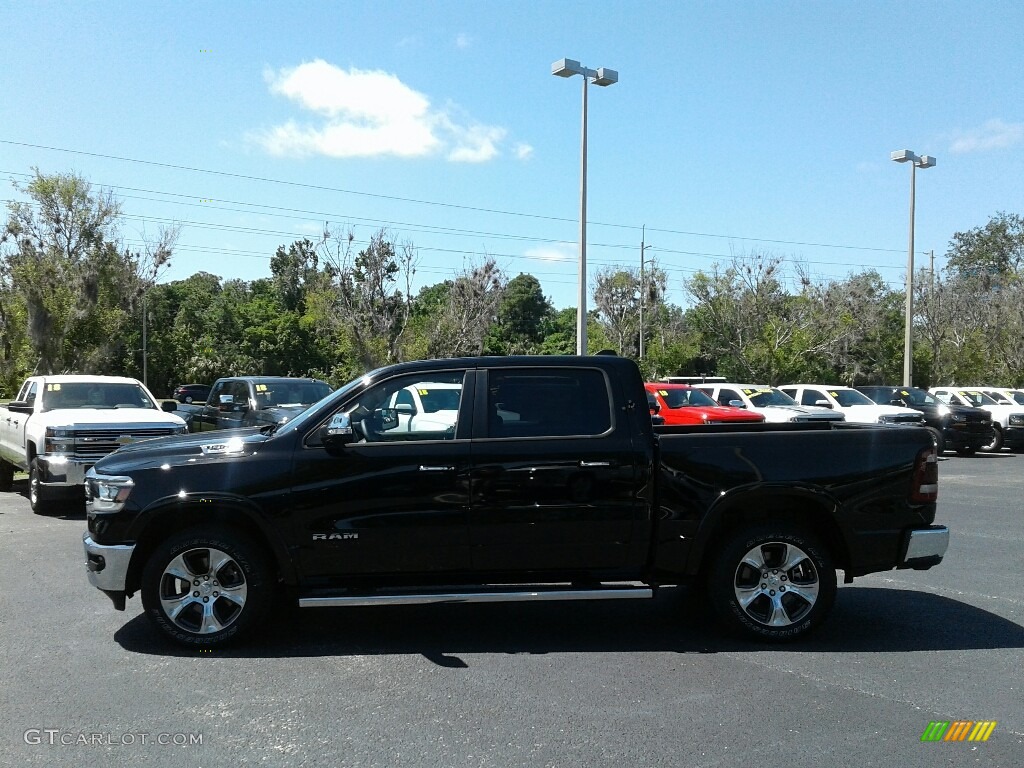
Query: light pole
603,77
922,161
643,247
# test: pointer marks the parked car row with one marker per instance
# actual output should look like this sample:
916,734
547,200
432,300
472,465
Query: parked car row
962,419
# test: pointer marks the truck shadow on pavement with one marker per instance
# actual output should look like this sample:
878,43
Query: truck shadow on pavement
61,509
864,619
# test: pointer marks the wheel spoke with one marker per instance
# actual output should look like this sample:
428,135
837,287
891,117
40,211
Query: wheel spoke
754,558
179,568
746,596
173,608
806,592
210,623
794,556
779,616
218,560
236,595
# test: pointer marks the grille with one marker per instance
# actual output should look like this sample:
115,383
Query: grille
97,443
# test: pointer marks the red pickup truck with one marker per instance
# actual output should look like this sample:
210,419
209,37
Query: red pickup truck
682,404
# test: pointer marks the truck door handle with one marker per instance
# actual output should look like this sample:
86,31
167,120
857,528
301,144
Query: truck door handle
595,463
428,468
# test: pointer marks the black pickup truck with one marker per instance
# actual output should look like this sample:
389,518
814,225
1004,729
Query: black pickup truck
253,401
533,478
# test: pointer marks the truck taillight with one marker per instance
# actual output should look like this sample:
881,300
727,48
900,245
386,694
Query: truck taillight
925,486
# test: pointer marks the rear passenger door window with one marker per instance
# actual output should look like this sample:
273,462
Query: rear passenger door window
531,403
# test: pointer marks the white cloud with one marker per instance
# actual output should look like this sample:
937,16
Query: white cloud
462,40
995,134
362,113
551,253
524,151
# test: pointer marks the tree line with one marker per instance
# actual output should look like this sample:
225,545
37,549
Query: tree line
74,298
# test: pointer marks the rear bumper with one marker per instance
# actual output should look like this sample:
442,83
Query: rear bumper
924,548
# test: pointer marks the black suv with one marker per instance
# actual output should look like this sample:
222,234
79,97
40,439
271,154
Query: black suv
964,430
186,393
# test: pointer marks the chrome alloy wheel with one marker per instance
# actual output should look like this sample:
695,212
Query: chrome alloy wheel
776,584
203,590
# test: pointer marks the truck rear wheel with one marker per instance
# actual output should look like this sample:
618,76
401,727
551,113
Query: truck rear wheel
939,439
205,587
39,498
772,582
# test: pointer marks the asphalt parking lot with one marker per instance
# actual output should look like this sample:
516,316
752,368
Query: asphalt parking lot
646,683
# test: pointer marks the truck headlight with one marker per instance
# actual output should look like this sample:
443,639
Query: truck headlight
105,494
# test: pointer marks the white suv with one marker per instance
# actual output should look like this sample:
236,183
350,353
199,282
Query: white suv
1007,420
855,406
773,404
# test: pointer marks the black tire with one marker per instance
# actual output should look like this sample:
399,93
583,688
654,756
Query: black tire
789,598
40,498
230,587
997,440
966,450
188,398
938,438
6,475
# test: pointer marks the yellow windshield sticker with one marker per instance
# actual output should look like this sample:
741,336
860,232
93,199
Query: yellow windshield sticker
904,392
53,387
261,387
748,391
834,394
424,392
663,392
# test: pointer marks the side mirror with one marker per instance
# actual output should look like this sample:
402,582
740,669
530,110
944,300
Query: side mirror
405,409
897,401
20,406
337,433
823,403
737,404
169,406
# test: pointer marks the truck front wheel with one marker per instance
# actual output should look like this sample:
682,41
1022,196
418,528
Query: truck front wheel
773,582
205,587
39,499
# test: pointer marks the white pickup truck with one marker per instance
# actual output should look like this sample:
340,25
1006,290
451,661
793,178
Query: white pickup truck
59,426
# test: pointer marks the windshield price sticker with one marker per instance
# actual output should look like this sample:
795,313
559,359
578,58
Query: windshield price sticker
834,394
261,387
424,392
663,392
53,387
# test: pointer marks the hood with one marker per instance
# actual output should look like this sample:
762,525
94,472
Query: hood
115,417
872,413
778,413
699,414
180,449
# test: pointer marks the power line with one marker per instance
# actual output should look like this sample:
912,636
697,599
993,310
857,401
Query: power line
455,206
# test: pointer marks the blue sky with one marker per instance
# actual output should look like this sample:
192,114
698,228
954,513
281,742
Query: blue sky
735,126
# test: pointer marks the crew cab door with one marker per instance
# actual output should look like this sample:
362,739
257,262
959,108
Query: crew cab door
393,501
555,473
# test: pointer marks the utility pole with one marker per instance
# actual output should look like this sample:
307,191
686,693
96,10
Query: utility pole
144,378
643,288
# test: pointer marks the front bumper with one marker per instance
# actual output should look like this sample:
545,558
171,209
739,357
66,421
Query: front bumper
924,547
61,471
107,566
1013,437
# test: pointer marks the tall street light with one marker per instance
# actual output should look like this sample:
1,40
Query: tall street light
603,77
922,161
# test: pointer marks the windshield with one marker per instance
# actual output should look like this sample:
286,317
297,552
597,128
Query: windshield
435,400
765,397
92,394
848,397
680,397
976,398
290,392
